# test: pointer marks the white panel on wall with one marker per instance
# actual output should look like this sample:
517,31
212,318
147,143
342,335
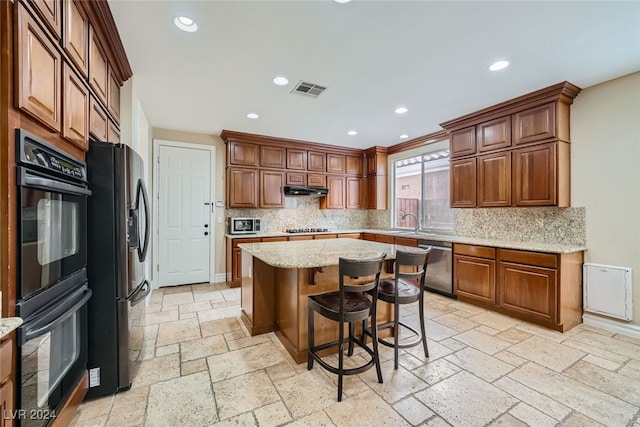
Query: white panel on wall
607,290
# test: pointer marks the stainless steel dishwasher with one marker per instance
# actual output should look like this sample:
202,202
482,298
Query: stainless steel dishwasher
439,277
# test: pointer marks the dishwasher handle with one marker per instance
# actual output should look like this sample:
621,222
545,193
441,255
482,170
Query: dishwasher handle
443,246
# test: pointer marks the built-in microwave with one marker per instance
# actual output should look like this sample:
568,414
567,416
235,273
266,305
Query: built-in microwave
244,225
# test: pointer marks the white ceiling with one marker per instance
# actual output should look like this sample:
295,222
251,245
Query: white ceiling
373,56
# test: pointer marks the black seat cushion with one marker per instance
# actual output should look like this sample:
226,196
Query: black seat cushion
354,302
407,293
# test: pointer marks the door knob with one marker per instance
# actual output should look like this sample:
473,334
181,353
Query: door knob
206,233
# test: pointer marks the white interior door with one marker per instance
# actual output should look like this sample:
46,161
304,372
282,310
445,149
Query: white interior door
184,214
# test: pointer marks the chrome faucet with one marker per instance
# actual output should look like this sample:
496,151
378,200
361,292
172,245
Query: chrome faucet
415,217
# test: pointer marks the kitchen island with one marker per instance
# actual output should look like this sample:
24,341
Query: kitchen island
277,277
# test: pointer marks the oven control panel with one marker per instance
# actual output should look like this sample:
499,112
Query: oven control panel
32,151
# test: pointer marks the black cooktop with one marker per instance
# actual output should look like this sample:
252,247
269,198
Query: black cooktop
306,230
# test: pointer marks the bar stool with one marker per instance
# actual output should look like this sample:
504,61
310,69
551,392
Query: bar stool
399,292
350,304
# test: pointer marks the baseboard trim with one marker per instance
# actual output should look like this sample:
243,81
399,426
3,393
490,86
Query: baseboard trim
220,277
628,329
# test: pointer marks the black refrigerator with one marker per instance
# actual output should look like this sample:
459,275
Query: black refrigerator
118,241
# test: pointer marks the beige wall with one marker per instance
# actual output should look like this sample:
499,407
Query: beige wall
197,138
605,178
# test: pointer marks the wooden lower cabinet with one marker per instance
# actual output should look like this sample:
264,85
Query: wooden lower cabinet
6,383
543,288
474,273
234,259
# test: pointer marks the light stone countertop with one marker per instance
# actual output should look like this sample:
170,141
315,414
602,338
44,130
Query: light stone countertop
318,253
8,324
556,248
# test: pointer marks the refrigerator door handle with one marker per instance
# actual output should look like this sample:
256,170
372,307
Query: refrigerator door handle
141,190
140,293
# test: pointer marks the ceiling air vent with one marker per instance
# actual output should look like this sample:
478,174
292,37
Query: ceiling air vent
308,89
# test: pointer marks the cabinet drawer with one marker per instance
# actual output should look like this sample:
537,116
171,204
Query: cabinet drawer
477,251
274,239
383,238
350,236
531,258
406,241
324,236
368,236
6,358
237,242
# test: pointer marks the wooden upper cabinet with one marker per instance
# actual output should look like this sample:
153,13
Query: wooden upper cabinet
271,194
98,121
463,183
49,11
463,142
296,178
316,180
335,163
534,175
38,72
76,35
376,190
243,153
354,165
113,133
354,194
272,157
535,124
98,67
242,187
494,179
371,164
494,134
296,159
114,95
316,161
75,101
336,197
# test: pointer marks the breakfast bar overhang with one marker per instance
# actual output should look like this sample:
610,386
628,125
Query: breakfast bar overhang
277,277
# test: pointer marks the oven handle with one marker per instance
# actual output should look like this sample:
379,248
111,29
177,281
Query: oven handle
28,179
54,317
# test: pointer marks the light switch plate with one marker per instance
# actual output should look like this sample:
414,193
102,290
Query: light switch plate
220,203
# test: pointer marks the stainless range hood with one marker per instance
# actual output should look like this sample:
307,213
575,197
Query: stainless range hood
291,190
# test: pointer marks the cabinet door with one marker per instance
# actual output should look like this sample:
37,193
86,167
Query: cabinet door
354,165
463,183
236,266
6,404
296,178
535,124
335,163
463,142
475,278
534,175
99,123
98,69
271,194
316,180
354,192
75,126
49,11
336,197
494,179
243,188
316,161
243,153
528,290
494,134
376,192
114,95
296,159
272,157
76,35
38,72
113,133
371,164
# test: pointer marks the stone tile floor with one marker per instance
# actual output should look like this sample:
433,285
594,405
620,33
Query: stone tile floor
194,364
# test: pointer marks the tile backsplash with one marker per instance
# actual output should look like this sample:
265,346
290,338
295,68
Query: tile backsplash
545,225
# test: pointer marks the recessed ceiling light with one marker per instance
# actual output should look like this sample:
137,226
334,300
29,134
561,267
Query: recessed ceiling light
404,136
342,1
185,24
252,115
281,80
352,132
499,65
401,110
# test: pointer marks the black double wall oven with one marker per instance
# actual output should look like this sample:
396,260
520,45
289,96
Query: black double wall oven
52,291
